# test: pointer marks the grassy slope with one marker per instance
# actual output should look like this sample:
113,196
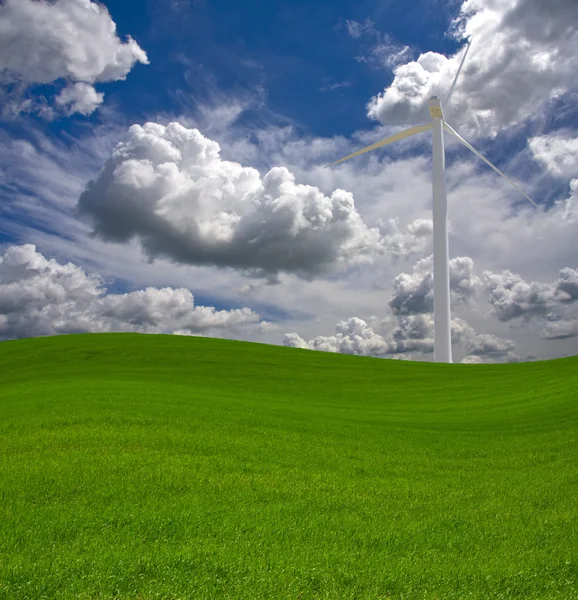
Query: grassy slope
158,466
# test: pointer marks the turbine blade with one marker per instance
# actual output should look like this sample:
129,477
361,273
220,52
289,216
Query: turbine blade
393,138
457,75
461,139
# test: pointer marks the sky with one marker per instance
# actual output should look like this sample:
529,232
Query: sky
161,171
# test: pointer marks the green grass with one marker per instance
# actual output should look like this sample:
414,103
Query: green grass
167,467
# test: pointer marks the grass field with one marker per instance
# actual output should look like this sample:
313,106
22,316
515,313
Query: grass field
167,467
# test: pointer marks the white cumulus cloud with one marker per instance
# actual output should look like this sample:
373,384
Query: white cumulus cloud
169,188
410,339
353,336
75,40
79,97
413,292
512,297
523,52
40,297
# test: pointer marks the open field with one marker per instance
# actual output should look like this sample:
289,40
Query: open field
167,467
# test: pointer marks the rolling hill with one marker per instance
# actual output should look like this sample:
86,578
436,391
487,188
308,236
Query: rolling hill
169,467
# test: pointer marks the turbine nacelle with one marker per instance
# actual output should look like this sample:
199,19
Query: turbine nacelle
435,108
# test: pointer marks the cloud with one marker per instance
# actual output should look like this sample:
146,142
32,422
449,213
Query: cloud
515,64
567,206
414,333
402,244
484,225
543,22
379,48
79,97
40,297
473,360
75,40
169,188
356,29
567,285
559,153
484,343
353,336
413,292
559,328
356,336
512,297
485,348
387,53
335,85
412,305
410,339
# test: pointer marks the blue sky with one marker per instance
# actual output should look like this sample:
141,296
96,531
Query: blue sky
284,88
285,51
280,53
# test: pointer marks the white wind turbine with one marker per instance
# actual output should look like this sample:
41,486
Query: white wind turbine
442,323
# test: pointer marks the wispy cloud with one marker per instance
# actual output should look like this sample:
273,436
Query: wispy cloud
378,49
335,85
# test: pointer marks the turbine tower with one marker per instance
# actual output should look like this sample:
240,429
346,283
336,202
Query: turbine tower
441,274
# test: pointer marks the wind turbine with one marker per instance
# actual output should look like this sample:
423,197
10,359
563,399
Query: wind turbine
442,323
